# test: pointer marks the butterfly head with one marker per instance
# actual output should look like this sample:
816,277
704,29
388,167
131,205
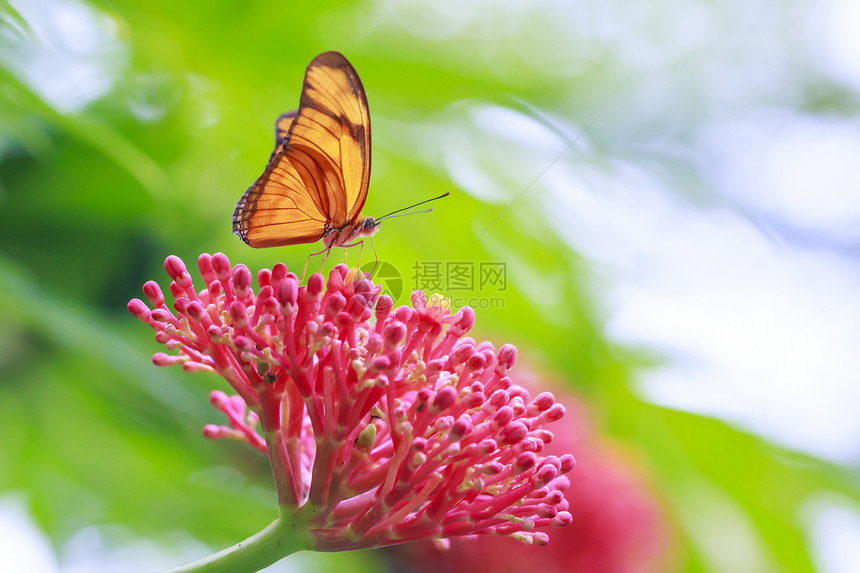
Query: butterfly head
369,227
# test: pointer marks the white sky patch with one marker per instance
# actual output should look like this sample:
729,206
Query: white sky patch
833,41
757,331
834,529
23,548
798,171
67,53
477,139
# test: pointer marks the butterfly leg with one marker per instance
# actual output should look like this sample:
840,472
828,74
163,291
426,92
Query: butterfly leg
322,262
375,256
326,251
360,252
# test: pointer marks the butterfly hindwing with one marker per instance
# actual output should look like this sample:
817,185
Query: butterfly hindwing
318,178
282,129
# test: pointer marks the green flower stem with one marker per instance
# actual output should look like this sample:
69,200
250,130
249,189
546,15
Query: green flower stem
284,536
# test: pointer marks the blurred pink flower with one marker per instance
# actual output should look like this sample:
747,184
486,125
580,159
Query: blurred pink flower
382,425
619,525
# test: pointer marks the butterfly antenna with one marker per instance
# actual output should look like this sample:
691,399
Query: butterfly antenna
403,215
412,207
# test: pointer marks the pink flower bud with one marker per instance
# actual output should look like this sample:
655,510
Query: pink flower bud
264,278
241,281
195,311
487,447
444,424
435,366
137,308
503,416
524,462
288,293
334,306
461,428
221,266
327,330
473,400
380,363
475,362
514,432
546,510
339,270
394,334
497,400
153,294
366,289
218,399
215,289
279,273
211,431
561,483
204,264
541,403
176,270
384,306
374,344
545,474
355,307
403,314
316,284
505,358
567,463
342,320
180,305
461,354
555,413
464,323
238,314
445,397
161,315
517,391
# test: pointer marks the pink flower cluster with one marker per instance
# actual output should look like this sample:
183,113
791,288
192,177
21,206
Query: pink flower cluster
622,525
382,425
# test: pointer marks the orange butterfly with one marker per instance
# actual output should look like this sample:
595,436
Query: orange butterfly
317,178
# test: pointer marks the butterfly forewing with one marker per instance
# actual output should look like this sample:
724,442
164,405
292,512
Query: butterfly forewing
318,178
333,128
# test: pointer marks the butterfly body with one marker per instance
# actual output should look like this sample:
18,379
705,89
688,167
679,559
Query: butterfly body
345,236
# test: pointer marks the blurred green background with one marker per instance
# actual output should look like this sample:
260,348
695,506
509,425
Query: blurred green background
128,131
